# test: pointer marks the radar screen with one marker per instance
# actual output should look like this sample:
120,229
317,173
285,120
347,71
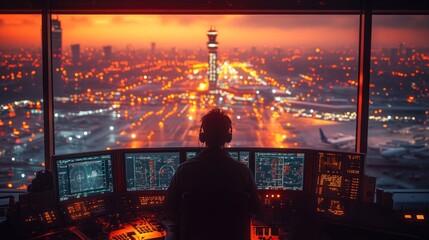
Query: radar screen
150,171
279,171
84,176
337,180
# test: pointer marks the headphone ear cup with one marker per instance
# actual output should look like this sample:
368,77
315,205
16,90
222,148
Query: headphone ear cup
202,136
228,137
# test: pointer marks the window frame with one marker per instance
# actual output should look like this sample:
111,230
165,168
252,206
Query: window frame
364,8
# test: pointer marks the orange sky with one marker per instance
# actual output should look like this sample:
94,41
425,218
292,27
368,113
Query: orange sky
189,31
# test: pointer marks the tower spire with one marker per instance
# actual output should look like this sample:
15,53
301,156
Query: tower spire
212,46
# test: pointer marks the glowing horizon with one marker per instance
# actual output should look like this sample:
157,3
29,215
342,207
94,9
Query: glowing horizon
235,31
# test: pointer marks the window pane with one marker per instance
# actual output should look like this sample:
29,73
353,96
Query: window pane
399,102
21,117
144,81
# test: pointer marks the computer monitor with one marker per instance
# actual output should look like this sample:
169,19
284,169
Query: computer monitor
240,156
191,154
279,170
234,155
82,176
338,179
244,157
150,170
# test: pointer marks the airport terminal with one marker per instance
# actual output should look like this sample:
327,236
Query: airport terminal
101,105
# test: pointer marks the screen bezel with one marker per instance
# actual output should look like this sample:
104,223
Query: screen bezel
305,168
123,152
77,155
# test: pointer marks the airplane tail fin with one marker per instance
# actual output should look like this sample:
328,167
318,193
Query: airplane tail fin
323,138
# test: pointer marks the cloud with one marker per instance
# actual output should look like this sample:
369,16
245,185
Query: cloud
120,19
285,22
402,21
192,19
75,21
14,20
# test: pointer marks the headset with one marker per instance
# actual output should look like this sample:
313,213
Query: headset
219,115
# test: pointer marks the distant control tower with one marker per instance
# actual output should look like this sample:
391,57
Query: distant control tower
212,47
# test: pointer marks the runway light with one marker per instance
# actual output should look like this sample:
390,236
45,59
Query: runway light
420,217
13,159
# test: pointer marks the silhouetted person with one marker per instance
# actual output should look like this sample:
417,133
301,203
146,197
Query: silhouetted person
212,171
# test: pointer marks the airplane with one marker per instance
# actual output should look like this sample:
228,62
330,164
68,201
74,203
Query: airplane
421,152
393,152
401,148
341,142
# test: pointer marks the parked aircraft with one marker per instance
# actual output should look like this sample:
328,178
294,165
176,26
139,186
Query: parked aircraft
340,142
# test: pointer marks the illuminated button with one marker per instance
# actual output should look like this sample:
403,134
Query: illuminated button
420,217
407,216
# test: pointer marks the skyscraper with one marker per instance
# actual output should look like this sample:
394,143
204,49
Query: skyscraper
75,49
57,40
152,47
212,47
107,53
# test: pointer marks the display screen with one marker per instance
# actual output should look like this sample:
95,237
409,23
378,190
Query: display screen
190,155
281,171
338,179
84,176
150,171
244,158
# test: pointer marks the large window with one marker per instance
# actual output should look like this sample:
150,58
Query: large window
128,81
398,150
21,118
145,81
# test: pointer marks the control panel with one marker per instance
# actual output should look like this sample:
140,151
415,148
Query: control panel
338,181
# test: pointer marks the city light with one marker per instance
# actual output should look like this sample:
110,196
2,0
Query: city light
278,91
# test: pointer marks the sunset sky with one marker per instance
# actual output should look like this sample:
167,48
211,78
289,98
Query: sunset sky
189,31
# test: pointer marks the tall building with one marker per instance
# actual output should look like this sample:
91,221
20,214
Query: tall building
152,47
57,40
75,49
107,53
212,47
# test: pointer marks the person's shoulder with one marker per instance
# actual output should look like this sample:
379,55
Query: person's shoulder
189,163
240,165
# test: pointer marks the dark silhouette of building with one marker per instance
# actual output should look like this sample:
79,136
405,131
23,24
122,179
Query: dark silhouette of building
75,50
107,53
57,39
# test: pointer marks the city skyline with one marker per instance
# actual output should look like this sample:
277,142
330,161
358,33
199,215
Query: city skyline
243,31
